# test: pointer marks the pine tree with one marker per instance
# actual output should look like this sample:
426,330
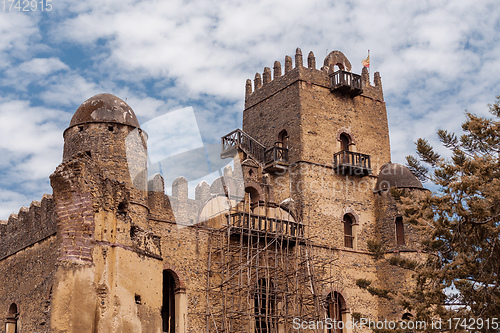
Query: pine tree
460,223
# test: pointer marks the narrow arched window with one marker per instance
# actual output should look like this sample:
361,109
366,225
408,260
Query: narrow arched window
400,231
168,307
335,308
348,232
12,317
264,302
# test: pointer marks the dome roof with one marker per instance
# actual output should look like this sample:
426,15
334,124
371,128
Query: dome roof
104,108
396,175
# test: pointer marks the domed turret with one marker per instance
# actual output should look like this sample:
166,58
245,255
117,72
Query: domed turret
104,108
396,175
106,128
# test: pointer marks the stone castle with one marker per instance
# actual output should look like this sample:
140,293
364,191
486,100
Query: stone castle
300,230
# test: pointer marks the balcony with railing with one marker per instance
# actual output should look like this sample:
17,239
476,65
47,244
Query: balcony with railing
272,159
351,163
239,139
346,82
275,158
249,224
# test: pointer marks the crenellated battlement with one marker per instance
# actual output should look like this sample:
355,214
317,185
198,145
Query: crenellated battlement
29,226
268,83
181,209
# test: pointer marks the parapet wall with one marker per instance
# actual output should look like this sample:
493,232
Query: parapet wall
268,83
29,226
179,208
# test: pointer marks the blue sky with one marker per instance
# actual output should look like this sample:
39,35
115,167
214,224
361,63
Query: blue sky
436,59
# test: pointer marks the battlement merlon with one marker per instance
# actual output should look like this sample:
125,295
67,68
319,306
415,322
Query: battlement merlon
270,85
29,226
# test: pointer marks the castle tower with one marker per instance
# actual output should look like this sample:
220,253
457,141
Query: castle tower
320,139
109,259
333,124
314,107
106,129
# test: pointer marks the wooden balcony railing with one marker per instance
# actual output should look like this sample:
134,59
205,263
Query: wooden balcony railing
276,154
268,158
348,162
239,139
346,82
252,224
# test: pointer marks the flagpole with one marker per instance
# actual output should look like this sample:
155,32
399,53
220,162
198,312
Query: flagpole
366,63
369,63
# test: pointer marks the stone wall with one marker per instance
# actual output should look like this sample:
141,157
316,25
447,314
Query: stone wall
29,226
26,280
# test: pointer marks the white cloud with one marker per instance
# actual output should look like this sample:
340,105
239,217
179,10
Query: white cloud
70,89
10,201
172,133
19,33
42,66
32,71
31,148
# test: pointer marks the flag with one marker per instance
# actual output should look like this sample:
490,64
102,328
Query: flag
366,62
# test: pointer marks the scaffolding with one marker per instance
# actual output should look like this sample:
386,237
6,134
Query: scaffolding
262,272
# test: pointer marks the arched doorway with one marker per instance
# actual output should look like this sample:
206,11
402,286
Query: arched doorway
174,304
168,306
336,309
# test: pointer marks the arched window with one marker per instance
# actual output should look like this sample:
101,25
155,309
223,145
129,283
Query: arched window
345,140
11,322
264,300
400,231
348,231
335,310
283,139
168,307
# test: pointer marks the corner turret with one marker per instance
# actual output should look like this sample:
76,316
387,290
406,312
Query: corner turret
106,129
